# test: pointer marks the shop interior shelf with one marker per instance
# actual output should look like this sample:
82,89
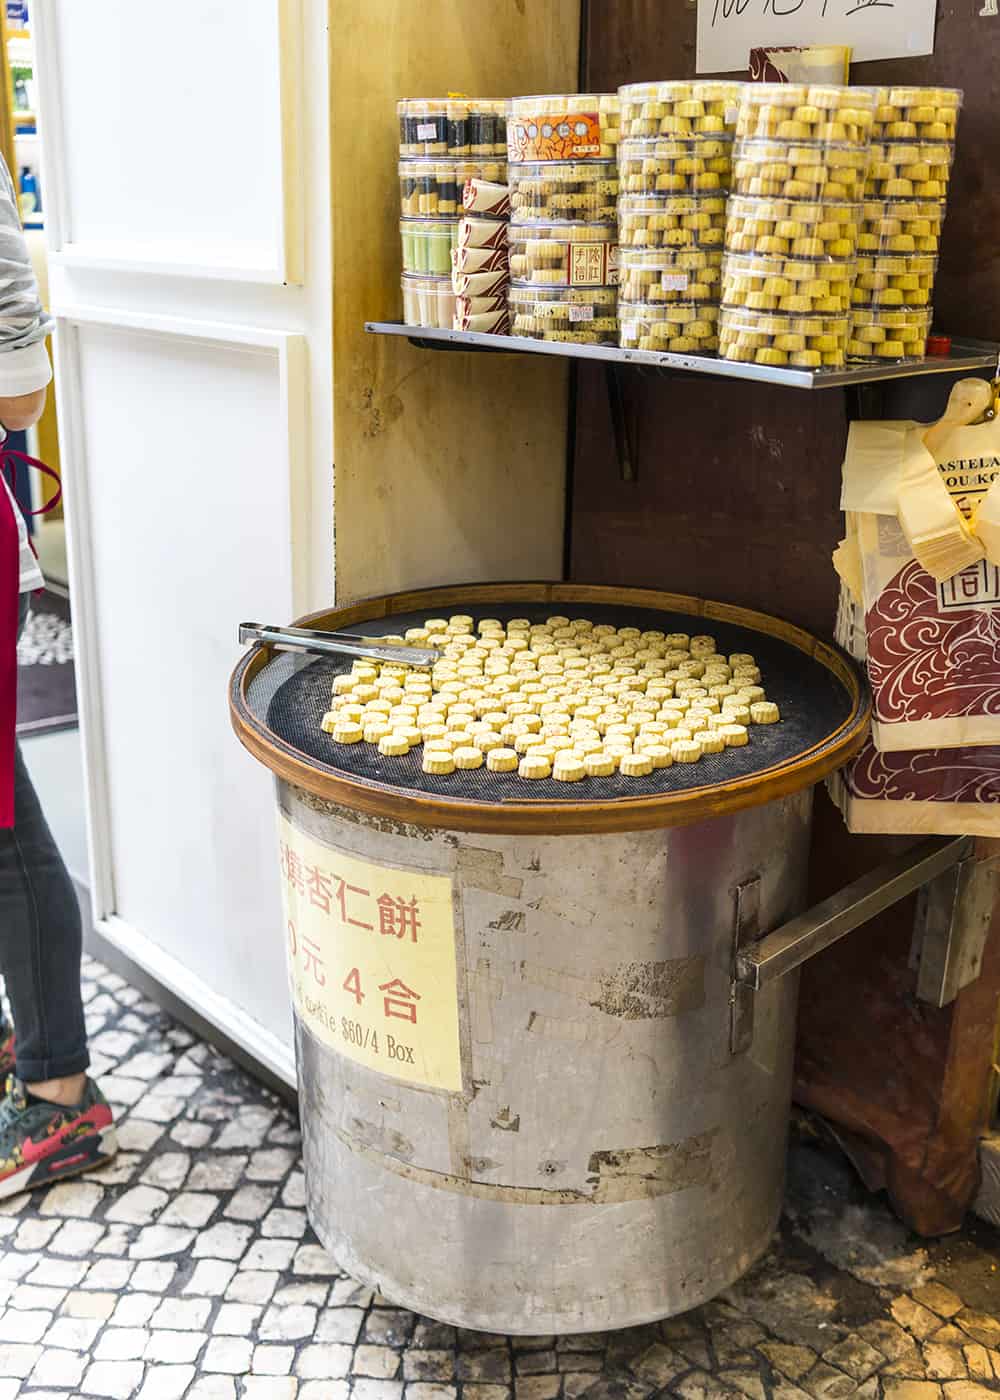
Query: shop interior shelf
965,355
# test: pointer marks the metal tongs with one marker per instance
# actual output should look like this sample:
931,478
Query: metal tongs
336,644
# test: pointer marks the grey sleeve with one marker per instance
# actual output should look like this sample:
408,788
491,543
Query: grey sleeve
23,321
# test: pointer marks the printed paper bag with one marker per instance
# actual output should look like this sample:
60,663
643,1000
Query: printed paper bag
934,792
933,646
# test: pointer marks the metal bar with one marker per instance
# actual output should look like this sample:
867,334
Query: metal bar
801,938
965,355
336,644
743,1005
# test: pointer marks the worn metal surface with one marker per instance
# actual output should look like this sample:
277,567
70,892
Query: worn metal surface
609,1161
953,921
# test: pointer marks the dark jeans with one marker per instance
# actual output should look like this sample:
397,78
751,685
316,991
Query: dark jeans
40,939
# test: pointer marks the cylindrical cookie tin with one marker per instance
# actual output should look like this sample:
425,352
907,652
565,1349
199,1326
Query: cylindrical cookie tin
513,1017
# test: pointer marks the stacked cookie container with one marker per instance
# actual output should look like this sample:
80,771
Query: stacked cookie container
904,207
563,176
675,169
793,222
443,144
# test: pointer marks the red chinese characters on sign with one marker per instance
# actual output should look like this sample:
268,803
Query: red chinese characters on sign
343,890
400,1001
398,917
312,962
292,869
329,892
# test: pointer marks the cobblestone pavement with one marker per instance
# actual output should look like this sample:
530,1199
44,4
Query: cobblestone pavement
187,1269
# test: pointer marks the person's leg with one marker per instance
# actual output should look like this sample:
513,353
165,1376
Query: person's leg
54,1122
40,950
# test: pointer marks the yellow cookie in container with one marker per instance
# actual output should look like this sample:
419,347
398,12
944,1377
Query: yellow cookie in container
428,188
696,108
678,329
563,255
656,275
903,280
672,221
791,342
431,126
783,170
559,191
670,165
901,226
899,334
789,286
916,114
909,170
789,228
428,301
571,315
825,114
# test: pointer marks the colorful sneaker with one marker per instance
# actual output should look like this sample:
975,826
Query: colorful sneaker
42,1142
7,1056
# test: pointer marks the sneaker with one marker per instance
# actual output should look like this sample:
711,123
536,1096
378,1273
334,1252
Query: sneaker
7,1056
42,1142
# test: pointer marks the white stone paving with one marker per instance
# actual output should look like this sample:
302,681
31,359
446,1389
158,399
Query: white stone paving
187,1270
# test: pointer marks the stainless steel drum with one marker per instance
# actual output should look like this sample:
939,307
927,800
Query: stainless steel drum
521,1107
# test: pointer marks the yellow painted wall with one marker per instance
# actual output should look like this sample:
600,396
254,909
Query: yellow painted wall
448,466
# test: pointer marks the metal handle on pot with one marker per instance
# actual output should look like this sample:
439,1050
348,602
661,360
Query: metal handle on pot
953,917
336,644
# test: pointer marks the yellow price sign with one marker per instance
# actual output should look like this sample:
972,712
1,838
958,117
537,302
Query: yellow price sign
371,960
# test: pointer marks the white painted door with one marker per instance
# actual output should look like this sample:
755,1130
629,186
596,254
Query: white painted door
185,163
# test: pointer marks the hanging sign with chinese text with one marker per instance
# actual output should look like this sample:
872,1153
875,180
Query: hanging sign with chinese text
729,29
371,959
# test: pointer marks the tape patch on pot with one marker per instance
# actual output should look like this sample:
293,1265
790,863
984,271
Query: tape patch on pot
371,960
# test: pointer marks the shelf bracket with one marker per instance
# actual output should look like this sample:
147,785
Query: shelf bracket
616,403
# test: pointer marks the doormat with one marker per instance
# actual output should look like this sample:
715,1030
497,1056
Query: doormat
46,681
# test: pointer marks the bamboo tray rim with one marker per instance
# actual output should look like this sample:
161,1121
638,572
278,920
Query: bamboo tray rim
541,816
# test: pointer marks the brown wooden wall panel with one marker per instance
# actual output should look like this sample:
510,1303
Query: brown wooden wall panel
736,497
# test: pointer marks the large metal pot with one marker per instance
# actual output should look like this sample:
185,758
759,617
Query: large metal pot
539,1123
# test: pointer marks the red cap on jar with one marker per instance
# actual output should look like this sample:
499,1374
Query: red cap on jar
939,345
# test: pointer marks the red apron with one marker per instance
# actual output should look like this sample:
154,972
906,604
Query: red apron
10,583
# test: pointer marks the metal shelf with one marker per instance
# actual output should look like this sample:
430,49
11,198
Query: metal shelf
965,355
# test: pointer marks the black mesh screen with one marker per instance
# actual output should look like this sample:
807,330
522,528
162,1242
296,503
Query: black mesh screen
291,694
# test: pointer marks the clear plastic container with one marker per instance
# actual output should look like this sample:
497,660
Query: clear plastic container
563,126
793,342
792,228
433,187
899,334
656,277
669,165
572,315
909,170
446,126
788,170
788,286
798,112
427,245
904,280
672,221
554,192
428,301
564,255
901,226
916,113
682,328
695,108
